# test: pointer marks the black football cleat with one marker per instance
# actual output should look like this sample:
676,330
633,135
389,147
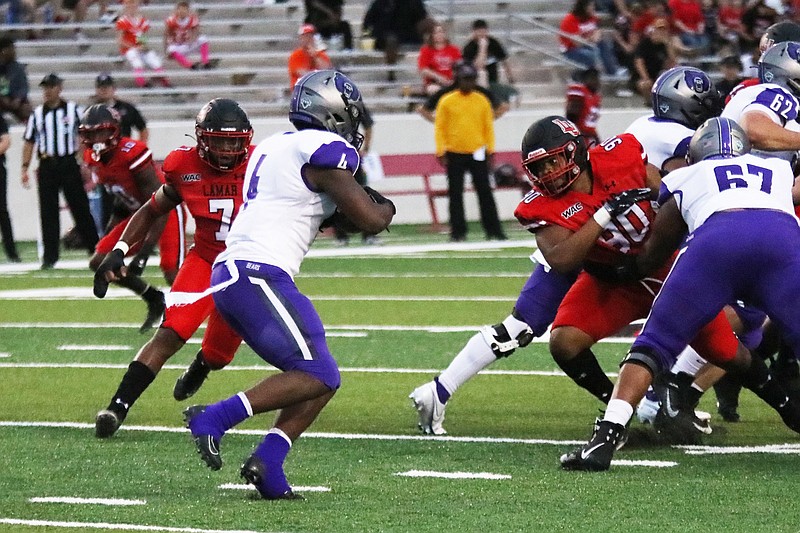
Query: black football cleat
595,455
207,445
253,471
155,312
676,422
191,379
106,423
790,414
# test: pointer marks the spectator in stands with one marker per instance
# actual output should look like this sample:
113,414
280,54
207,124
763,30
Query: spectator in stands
592,47
731,67
436,60
182,37
689,21
132,28
651,10
326,16
464,133
755,20
309,54
53,130
394,23
654,54
6,230
729,25
625,39
486,53
80,8
583,104
13,82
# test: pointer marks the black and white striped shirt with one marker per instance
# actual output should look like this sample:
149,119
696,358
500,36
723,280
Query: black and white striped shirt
55,130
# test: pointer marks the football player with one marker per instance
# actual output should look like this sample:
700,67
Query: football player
294,182
780,32
208,178
539,299
725,196
125,168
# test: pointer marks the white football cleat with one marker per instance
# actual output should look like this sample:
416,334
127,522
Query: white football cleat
430,409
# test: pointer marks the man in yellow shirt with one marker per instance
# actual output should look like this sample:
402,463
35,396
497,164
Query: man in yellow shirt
464,132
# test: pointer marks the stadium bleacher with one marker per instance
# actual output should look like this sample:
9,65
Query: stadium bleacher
251,44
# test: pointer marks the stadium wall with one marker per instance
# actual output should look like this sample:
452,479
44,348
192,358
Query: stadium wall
393,134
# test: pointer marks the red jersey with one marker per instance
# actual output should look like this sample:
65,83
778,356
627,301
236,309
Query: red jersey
116,174
133,30
618,164
213,197
590,108
749,82
179,30
583,28
440,61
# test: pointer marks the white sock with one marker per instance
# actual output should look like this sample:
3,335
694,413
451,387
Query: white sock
689,362
280,433
243,398
472,358
514,326
618,412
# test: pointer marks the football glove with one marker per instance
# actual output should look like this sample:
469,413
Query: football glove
624,272
378,198
621,202
113,262
137,264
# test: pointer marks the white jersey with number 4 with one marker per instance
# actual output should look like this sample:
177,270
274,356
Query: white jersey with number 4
282,213
744,182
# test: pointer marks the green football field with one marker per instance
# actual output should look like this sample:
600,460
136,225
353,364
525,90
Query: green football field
396,315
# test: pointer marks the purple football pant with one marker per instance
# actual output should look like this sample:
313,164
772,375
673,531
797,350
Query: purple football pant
540,297
751,255
279,323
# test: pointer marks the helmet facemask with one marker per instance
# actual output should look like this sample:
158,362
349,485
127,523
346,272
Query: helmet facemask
99,139
552,172
223,150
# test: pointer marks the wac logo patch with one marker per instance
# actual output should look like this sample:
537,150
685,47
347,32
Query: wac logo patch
571,210
191,177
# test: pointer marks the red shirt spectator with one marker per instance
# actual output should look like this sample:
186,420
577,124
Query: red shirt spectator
436,60
584,28
687,15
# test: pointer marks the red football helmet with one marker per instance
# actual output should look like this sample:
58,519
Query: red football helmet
99,129
554,154
223,134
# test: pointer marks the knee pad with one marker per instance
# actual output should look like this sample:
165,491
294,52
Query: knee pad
644,356
500,341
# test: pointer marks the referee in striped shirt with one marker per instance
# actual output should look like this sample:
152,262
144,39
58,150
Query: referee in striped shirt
53,130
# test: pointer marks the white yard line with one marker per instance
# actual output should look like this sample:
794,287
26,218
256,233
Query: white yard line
94,347
118,527
452,475
237,368
89,501
295,488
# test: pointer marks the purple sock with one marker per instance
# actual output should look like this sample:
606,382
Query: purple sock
441,392
219,417
273,451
